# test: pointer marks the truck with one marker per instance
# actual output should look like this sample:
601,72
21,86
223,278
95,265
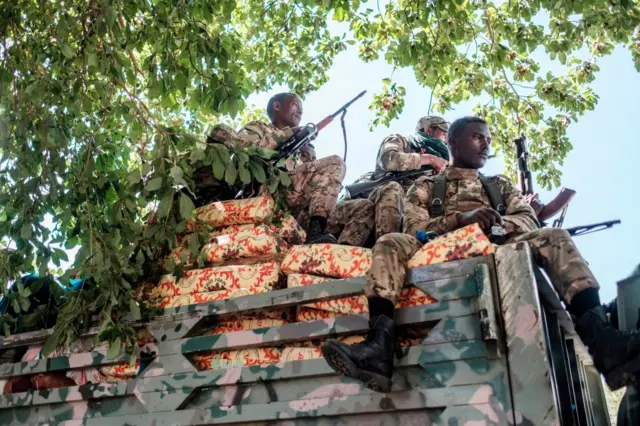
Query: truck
498,349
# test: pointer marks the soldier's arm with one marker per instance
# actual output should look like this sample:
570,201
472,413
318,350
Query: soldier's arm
393,157
519,217
257,133
417,215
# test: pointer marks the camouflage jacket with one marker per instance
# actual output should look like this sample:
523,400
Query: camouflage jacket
465,193
257,133
396,154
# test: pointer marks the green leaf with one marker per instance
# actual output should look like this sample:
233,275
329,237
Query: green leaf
186,207
284,178
245,176
114,348
233,107
25,231
258,172
165,205
273,184
153,184
217,166
176,173
223,152
231,173
92,60
135,309
50,345
67,51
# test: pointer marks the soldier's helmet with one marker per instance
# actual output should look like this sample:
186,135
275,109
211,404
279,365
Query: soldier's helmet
433,121
224,134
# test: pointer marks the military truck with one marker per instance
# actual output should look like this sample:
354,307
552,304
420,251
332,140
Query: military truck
499,350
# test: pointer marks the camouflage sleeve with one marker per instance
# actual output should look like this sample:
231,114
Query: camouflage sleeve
393,155
257,133
417,211
520,217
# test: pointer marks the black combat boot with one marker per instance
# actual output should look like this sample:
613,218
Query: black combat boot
317,234
371,361
616,354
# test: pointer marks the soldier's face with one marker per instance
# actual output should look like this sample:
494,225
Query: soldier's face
474,146
290,111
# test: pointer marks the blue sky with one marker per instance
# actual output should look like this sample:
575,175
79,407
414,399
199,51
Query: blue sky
600,168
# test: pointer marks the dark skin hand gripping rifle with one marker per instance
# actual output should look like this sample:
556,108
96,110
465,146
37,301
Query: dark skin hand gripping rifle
559,204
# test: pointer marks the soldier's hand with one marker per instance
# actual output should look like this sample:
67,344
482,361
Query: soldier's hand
437,163
485,217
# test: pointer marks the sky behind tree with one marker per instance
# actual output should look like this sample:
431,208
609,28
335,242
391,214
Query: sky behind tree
601,167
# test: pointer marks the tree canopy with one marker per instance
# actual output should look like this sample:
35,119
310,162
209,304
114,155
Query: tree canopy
104,108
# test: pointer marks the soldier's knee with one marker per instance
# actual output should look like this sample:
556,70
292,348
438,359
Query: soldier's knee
392,188
392,239
554,234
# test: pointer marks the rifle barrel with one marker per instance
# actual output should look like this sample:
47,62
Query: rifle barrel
594,227
347,105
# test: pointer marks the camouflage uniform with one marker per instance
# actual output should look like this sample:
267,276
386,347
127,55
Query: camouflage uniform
314,186
352,221
552,248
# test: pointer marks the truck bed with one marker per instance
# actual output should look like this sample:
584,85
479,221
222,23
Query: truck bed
495,355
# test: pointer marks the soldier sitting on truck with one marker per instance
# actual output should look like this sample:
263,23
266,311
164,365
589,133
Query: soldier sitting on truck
315,185
384,207
459,197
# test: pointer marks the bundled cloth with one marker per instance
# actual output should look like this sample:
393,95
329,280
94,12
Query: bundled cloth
327,260
463,243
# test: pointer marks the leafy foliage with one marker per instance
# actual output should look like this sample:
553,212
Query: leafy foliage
104,106
485,51
98,103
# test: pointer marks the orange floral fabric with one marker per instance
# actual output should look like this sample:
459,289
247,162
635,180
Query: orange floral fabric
251,321
235,212
206,280
197,298
239,358
353,305
328,260
246,243
463,243
123,370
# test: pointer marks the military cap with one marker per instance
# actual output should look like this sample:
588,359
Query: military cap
433,121
222,133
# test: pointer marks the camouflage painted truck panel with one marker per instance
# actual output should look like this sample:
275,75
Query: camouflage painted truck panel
484,361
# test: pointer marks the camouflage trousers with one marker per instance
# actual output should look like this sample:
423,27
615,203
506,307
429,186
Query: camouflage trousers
352,221
315,186
389,208
555,252
552,249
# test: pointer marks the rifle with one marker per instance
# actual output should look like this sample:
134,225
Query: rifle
305,135
595,227
544,211
559,204
354,190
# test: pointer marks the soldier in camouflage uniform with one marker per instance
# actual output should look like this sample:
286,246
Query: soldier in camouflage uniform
424,149
616,354
315,184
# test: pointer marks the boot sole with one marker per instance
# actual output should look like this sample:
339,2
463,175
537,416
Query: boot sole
623,375
339,360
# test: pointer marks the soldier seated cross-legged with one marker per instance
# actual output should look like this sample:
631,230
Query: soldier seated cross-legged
316,184
382,211
459,197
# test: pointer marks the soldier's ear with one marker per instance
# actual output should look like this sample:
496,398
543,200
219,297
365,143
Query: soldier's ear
277,106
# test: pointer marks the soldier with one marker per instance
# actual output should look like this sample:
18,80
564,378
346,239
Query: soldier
397,153
457,198
315,184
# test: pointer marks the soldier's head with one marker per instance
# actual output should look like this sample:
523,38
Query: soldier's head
435,127
285,110
469,142
308,153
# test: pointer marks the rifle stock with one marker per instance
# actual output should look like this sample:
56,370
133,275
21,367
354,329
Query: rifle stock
360,188
556,205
